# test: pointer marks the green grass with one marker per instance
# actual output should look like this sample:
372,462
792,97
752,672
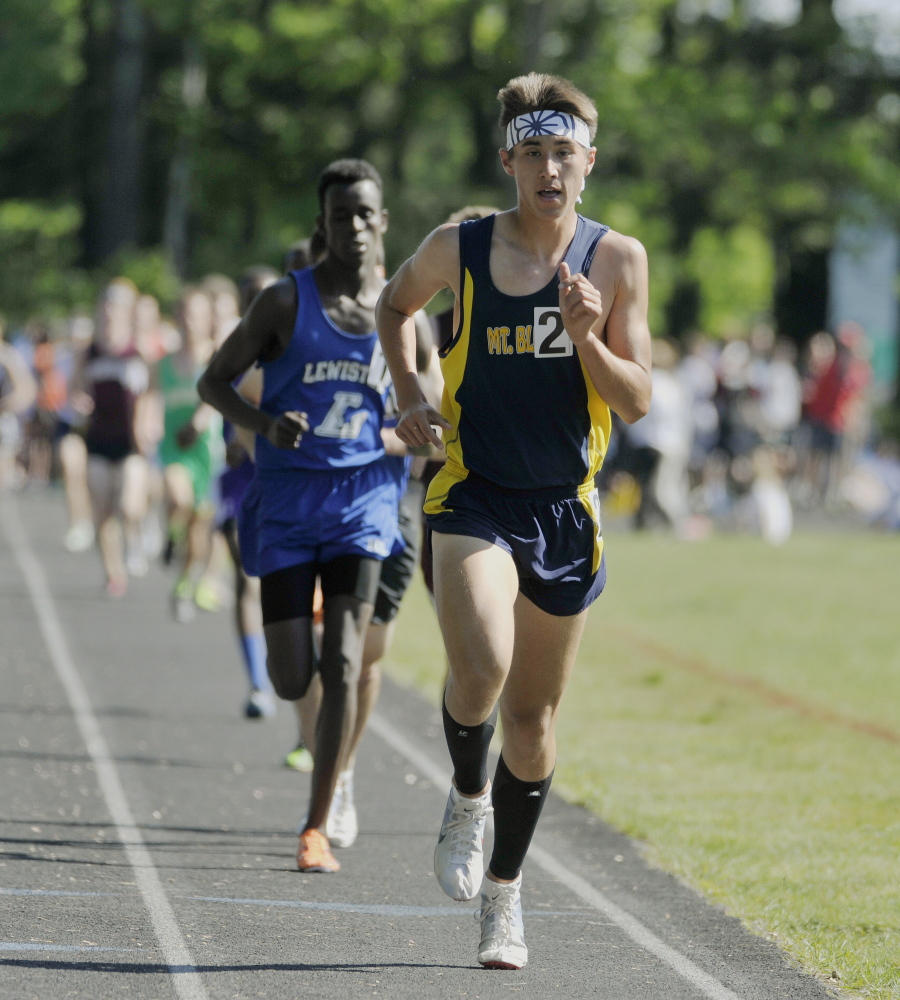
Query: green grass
719,713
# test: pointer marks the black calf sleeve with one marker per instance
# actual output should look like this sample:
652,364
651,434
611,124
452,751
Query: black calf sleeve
517,809
468,747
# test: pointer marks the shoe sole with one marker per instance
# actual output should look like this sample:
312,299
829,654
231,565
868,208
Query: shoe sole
502,965
323,869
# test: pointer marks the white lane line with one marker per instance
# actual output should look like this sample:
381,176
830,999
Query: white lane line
187,981
708,985
367,909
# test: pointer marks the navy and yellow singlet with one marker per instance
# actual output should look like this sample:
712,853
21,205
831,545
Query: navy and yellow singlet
525,413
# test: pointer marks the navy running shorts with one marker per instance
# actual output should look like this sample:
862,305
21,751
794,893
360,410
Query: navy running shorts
553,535
293,516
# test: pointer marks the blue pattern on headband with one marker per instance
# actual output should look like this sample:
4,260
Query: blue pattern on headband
535,123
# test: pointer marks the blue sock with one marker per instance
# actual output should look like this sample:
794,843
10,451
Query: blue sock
254,649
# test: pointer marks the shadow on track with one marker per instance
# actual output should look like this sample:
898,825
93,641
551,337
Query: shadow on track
139,969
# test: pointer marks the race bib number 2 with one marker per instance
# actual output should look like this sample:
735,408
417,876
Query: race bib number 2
550,337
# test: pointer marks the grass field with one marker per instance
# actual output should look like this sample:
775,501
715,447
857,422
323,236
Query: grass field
737,709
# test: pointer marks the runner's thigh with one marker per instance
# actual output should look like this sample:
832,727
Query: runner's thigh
475,589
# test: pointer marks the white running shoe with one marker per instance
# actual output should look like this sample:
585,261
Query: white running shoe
80,537
260,705
342,826
459,854
502,931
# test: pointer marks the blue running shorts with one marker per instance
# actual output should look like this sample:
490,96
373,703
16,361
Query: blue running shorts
553,535
294,516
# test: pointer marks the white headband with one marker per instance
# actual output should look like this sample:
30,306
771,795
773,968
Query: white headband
536,123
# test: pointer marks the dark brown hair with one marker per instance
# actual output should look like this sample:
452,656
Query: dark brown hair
540,92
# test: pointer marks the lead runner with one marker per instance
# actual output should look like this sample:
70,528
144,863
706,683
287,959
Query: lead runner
550,334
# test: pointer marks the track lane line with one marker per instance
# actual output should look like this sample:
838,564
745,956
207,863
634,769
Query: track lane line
707,984
186,979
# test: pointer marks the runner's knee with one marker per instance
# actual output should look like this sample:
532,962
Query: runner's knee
370,674
527,726
290,657
341,651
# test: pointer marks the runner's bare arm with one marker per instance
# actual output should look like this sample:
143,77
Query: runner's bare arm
616,353
434,266
262,335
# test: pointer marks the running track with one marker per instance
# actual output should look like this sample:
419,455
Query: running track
146,833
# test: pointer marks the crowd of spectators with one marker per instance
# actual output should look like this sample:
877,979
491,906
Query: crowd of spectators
743,434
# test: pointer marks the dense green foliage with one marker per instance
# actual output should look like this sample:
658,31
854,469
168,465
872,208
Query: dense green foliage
726,144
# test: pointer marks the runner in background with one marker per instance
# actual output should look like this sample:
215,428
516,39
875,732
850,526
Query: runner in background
210,592
116,378
153,342
189,449
73,458
233,484
18,391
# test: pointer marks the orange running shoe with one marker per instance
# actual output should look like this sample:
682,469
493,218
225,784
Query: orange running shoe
314,853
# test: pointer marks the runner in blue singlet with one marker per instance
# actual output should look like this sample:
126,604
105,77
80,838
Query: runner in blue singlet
322,505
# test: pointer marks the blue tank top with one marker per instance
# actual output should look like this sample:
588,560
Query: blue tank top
340,380
524,410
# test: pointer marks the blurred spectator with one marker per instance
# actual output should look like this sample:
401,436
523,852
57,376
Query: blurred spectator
655,449
768,501
836,396
872,487
697,375
777,384
736,404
